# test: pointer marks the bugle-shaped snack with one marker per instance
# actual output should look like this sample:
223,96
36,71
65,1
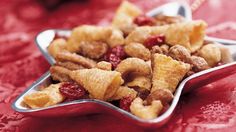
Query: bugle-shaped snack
188,34
133,65
88,33
146,112
124,91
57,46
167,72
46,97
124,16
100,84
211,53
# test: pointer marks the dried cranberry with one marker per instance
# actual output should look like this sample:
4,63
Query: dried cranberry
154,40
113,59
119,51
143,20
125,103
72,90
115,55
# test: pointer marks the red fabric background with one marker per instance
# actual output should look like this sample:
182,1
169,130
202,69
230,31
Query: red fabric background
212,108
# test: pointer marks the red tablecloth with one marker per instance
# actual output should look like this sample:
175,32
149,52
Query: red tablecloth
212,108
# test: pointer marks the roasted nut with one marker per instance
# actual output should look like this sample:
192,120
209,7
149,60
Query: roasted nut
211,53
59,73
69,65
156,49
179,53
137,50
146,112
226,57
75,58
57,46
104,65
141,82
165,49
133,65
198,63
164,95
94,50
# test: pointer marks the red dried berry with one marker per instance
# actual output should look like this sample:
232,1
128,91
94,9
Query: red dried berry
113,59
143,20
125,103
154,40
72,90
119,51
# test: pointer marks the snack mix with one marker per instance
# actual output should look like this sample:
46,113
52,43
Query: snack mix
138,62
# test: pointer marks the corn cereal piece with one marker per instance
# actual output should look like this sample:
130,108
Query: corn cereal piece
133,65
47,97
167,73
124,16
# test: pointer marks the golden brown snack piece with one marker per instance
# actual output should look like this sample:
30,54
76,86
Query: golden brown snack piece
137,50
142,82
165,49
180,53
104,65
75,58
124,91
94,50
156,49
47,97
226,56
88,34
59,73
164,95
167,72
188,34
124,16
198,63
69,65
146,112
116,38
57,45
133,65
163,20
211,53
100,84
